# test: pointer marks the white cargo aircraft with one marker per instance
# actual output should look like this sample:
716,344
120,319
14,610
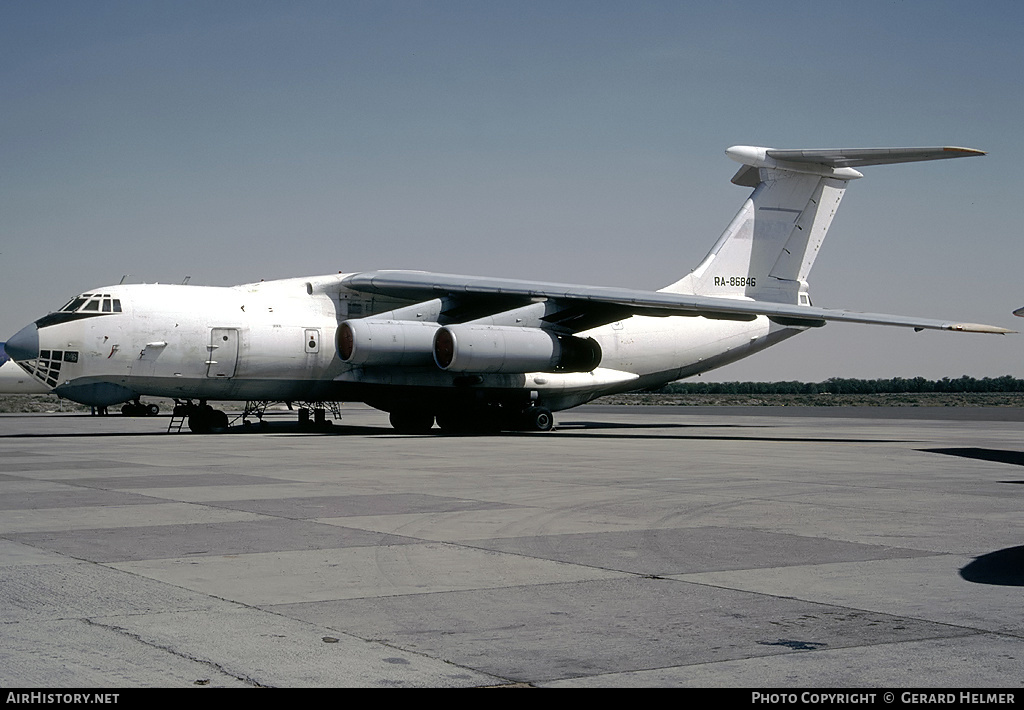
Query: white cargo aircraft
468,352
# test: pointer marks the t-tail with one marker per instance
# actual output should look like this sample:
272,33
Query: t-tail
767,251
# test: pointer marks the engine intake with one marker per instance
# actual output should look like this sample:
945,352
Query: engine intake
511,350
386,342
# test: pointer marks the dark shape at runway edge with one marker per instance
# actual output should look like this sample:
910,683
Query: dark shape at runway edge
1002,567
1014,457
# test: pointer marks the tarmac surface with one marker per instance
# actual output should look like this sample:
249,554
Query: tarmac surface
632,546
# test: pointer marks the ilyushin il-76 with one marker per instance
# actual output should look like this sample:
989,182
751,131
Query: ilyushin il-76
466,352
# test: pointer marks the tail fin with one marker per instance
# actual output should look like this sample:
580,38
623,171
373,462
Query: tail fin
768,249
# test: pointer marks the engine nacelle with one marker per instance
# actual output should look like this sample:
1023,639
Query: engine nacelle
511,350
364,341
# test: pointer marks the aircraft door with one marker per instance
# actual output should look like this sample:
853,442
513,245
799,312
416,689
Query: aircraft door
223,356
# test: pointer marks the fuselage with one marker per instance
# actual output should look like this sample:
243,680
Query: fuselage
277,340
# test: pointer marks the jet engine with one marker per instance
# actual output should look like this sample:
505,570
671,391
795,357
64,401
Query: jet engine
506,349
386,342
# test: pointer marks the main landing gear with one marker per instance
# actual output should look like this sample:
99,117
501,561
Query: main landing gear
202,418
412,421
538,419
472,421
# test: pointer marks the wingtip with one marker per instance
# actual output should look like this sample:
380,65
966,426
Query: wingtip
979,328
964,152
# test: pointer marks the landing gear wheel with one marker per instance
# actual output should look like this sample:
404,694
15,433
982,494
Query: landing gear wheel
458,423
198,424
472,421
220,421
207,420
411,422
138,409
451,423
539,419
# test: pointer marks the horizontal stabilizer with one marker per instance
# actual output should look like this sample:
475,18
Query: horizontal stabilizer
839,163
859,157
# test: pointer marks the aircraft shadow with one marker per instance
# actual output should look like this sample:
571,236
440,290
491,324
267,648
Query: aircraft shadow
590,431
1002,567
276,428
712,437
667,425
601,430
1014,457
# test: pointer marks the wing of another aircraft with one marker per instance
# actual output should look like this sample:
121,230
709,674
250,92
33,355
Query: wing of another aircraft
583,307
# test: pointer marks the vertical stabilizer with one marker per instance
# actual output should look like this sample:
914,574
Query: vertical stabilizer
767,251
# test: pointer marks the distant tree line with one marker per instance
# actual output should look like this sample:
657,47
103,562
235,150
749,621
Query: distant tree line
842,385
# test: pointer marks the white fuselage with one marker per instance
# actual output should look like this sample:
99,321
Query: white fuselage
277,341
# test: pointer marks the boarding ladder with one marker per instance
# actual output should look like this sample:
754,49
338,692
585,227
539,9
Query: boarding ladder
178,419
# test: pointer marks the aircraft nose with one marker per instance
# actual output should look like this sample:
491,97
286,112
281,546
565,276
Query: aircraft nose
23,345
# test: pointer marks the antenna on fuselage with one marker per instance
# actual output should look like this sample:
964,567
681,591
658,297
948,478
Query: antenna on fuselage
185,280
123,279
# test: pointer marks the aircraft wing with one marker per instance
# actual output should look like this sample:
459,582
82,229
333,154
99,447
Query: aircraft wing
583,307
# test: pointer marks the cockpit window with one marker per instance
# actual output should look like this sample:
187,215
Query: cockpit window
73,305
92,303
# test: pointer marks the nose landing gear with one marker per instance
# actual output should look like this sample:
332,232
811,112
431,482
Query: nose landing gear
138,409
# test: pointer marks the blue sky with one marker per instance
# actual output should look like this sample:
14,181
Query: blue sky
568,141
